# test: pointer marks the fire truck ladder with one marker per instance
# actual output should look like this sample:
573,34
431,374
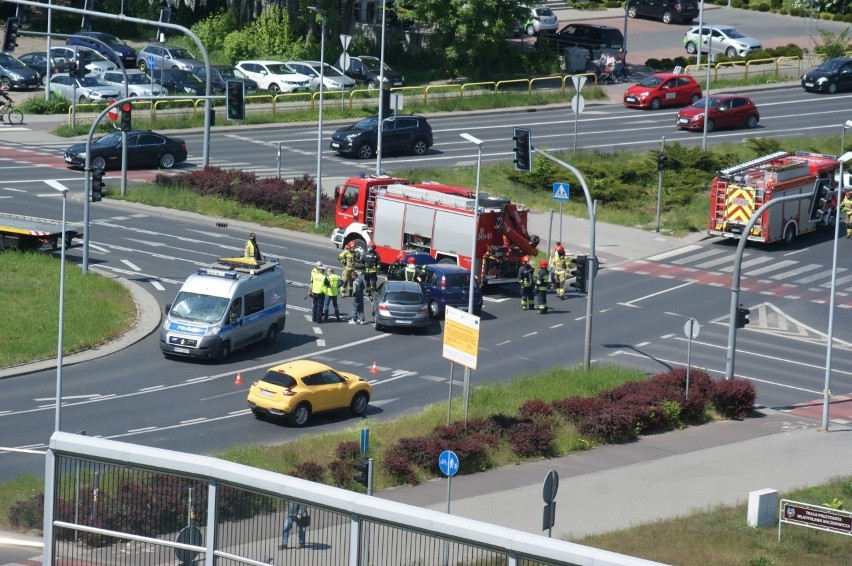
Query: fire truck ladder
425,195
752,163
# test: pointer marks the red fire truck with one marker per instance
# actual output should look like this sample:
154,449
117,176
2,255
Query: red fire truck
399,216
738,191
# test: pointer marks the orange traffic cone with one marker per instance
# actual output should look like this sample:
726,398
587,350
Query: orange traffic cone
374,369
239,380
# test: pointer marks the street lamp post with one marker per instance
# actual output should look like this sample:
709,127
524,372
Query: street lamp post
479,143
57,426
826,392
319,130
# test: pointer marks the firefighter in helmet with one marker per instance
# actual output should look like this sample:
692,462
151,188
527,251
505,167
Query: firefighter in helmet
542,282
397,268
371,269
411,272
347,258
559,264
525,278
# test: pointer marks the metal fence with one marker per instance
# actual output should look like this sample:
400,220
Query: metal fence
118,504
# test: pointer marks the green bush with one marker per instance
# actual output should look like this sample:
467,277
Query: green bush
38,105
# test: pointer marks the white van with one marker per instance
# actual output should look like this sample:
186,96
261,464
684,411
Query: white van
231,304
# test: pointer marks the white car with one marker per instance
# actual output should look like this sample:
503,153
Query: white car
138,83
332,78
722,39
94,62
275,76
88,89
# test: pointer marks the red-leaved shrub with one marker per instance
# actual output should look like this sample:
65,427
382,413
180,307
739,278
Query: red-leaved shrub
612,423
734,398
534,409
575,408
532,438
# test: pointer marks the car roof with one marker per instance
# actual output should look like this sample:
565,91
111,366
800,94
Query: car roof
446,268
670,75
262,62
299,368
395,285
726,96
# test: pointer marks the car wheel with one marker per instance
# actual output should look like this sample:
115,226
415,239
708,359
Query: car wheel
224,352
300,415
98,162
420,147
731,52
5,83
44,80
132,94
789,234
271,333
695,98
655,104
434,309
359,404
258,414
81,100
372,84
376,325
167,161
530,30
143,67
667,18
365,150
832,88
631,11
691,49
751,122
710,125
274,88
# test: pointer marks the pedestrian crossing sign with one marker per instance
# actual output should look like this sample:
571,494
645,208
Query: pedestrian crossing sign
561,191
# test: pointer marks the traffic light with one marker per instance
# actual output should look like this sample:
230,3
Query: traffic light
166,17
78,65
126,116
523,149
742,316
97,185
661,161
363,475
10,35
236,101
580,272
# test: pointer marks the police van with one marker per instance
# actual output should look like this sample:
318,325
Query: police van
226,306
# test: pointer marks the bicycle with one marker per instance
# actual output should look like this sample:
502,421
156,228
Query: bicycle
11,115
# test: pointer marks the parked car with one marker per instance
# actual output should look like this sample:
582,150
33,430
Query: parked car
37,61
447,284
667,11
144,149
719,39
591,37
662,89
115,50
138,83
541,19
366,70
274,76
93,61
400,304
332,77
298,389
177,82
725,111
87,89
221,74
15,74
831,76
401,132
166,57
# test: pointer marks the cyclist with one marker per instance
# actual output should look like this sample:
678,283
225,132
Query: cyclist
3,104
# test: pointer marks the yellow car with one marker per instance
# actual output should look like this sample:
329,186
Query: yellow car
298,389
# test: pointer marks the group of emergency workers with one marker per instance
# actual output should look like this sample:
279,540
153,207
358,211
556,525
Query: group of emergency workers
551,273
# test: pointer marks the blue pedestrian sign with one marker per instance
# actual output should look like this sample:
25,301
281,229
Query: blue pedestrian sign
151,62
561,191
448,462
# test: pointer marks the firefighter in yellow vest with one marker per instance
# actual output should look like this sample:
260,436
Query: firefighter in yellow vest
315,290
526,275
411,273
331,287
542,282
846,208
347,258
559,264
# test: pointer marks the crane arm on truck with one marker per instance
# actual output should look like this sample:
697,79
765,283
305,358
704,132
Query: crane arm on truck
515,230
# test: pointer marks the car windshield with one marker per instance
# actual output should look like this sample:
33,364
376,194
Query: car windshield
544,11
830,66
733,33
203,308
404,298
458,281
278,378
370,123
332,71
111,140
111,40
700,104
89,55
651,81
230,74
373,64
280,69
181,54
10,62
138,79
93,81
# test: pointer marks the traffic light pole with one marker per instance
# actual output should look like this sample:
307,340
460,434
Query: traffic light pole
592,267
735,282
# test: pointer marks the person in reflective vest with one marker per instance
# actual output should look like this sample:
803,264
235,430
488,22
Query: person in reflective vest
252,250
411,272
542,282
371,270
331,288
559,264
347,258
525,278
315,290
846,207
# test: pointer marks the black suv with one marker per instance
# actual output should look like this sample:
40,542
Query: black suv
400,132
668,11
594,38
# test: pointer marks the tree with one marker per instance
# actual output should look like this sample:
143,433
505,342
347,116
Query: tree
833,45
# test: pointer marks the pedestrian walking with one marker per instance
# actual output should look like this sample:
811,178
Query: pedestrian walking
296,514
252,250
846,208
315,291
358,288
559,264
526,277
331,289
542,282
347,258
371,270
621,66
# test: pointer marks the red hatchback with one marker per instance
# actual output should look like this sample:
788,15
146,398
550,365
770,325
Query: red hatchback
725,111
662,89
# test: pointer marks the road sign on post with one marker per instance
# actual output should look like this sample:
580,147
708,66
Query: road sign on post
112,114
548,493
561,191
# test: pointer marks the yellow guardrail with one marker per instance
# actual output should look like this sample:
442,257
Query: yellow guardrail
725,67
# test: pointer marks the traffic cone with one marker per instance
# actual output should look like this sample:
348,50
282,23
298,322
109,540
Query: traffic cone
239,380
375,368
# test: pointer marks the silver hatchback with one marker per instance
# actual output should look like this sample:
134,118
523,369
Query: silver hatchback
400,304
719,39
